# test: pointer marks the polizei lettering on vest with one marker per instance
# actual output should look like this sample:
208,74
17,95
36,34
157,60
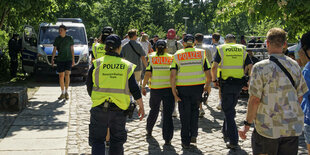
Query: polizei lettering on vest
233,49
113,66
190,55
161,60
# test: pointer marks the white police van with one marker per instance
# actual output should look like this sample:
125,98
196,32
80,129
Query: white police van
37,49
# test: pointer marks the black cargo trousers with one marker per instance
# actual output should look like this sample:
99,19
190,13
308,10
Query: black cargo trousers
100,121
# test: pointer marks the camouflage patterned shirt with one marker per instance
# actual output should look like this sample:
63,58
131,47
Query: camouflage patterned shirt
279,113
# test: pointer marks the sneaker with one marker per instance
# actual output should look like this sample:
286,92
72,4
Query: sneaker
66,96
62,96
185,146
193,139
219,106
201,113
232,146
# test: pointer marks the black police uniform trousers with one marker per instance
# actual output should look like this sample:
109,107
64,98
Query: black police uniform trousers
13,63
99,122
158,95
230,92
189,111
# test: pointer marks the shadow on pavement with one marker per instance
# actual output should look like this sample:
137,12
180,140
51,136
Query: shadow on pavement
192,150
237,152
154,147
207,125
39,116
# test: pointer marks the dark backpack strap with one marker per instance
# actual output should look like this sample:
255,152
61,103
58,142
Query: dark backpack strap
176,45
134,49
275,60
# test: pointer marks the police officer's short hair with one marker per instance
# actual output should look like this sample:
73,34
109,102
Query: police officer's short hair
216,36
132,33
199,37
63,26
230,38
276,37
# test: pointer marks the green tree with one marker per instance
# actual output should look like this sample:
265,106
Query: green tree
293,14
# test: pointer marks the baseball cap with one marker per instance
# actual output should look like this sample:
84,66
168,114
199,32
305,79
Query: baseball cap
171,34
161,43
113,41
107,30
230,36
189,38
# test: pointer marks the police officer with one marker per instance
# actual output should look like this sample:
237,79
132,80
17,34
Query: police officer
228,72
98,49
190,76
110,83
14,48
158,75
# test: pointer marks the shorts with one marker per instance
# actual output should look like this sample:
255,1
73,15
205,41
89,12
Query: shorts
282,145
64,66
307,133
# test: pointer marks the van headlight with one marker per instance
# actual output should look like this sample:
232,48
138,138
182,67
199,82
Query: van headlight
41,58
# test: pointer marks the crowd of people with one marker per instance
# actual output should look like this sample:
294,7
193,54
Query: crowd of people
177,72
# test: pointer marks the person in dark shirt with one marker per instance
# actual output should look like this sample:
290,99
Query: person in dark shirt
111,99
259,43
252,43
230,79
14,48
242,40
65,60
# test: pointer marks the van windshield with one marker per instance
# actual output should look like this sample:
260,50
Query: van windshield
48,35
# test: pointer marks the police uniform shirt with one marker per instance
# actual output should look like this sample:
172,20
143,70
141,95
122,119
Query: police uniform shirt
132,83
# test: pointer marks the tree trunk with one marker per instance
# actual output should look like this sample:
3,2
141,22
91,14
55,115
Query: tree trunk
4,14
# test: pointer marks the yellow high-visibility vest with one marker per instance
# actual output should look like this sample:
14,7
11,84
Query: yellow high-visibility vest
190,62
160,70
232,60
98,50
110,78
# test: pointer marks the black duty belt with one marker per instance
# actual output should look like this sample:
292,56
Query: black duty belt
231,80
110,107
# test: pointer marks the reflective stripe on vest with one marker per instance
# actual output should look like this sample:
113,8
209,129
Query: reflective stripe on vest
234,71
191,71
111,83
160,70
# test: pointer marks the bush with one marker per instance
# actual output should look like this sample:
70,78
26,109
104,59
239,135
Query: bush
4,56
4,65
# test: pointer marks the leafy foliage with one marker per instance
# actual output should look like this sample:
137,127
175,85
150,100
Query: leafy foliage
293,15
240,17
